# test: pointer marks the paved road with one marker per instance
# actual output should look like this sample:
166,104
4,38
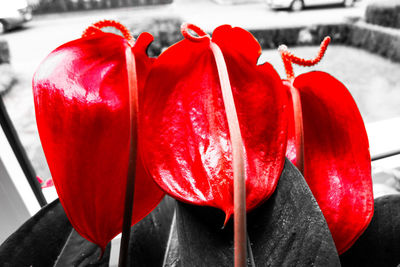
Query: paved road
30,45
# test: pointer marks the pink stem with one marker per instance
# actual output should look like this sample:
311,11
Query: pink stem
298,128
239,191
239,183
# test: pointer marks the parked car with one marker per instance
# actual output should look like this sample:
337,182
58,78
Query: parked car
297,5
13,14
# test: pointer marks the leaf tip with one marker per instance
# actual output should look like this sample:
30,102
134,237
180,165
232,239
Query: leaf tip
228,215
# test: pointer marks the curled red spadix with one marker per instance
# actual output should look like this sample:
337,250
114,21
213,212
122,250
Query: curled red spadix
184,124
328,142
82,103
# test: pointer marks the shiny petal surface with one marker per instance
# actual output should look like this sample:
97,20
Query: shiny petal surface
81,98
337,164
184,126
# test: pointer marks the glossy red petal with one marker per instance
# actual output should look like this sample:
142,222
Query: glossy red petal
82,111
336,156
184,126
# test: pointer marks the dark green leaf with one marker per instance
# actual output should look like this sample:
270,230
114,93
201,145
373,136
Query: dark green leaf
379,245
78,251
288,230
41,240
201,240
38,241
149,237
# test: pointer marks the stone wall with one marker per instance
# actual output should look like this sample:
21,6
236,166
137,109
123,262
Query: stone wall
376,39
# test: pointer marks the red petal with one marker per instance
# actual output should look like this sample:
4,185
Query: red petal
336,156
238,44
40,180
49,183
82,112
184,125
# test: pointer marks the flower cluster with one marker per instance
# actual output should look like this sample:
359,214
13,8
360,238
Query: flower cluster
180,123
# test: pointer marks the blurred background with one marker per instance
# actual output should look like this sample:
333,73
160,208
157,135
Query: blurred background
364,54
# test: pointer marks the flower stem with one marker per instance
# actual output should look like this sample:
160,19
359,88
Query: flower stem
130,184
298,128
239,184
239,191
133,111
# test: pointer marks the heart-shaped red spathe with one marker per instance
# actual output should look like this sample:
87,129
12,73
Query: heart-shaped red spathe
184,125
337,163
81,94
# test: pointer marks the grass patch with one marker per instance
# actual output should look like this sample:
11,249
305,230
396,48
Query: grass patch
372,80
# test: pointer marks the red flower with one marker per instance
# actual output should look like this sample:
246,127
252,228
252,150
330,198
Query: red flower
184,124
81,93
43,184
328,143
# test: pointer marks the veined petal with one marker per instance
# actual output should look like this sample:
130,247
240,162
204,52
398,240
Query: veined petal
337,164
184,126
81,95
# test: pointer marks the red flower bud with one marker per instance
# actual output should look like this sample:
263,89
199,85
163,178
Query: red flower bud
184,124
81,93
328,142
